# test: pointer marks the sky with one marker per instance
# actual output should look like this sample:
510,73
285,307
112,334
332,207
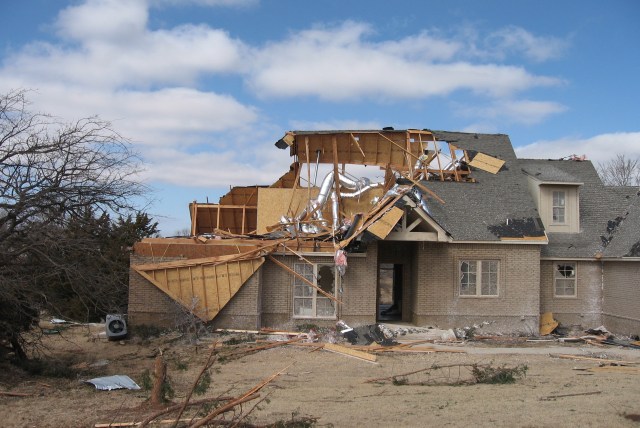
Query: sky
204,88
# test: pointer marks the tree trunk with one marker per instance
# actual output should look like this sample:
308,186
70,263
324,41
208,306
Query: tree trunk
160,374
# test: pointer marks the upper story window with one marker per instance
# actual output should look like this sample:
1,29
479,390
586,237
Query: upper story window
308,302
479,277
559,207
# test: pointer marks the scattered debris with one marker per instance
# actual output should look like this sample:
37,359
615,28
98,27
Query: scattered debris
443,375
367,334
584,358
577,394
547,324
109,383
349,352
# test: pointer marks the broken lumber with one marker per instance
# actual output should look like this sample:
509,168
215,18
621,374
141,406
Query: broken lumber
252,394
15,394
577,394
332,347
615,369
581,357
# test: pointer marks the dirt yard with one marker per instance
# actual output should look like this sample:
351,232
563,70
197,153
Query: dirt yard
332,387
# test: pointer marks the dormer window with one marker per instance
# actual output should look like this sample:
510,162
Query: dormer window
557,196
558,207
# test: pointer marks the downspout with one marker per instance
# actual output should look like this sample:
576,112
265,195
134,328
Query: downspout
602,291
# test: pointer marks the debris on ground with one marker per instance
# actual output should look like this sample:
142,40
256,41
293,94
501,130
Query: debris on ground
109,383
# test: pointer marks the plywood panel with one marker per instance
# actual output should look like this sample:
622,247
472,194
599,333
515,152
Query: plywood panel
361,204
486,163
274,203
202,288
386,223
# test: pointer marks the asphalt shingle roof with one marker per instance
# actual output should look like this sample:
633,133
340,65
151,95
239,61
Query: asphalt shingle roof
501,205
605,212
497,205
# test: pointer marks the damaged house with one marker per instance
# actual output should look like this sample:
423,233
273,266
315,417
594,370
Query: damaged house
415,226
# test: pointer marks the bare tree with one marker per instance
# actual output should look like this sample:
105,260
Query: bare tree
51,175
620,171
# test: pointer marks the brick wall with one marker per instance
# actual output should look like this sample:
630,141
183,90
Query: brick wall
358,296
149,305
436,299
582,311
621,299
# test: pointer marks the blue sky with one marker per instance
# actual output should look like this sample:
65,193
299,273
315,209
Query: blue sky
203,88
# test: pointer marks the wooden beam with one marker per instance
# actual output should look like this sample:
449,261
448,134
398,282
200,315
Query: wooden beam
336,175
358,145
311,284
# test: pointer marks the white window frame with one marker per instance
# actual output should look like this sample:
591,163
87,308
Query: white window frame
559,204
479,277
304,292
562,278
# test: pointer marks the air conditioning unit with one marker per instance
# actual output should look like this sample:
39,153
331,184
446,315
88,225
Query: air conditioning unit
116,326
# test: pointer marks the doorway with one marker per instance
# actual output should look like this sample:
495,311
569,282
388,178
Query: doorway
390,286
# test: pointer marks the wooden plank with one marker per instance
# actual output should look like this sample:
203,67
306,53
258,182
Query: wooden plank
383,226
615,369
336,177
487,163
349,352
597,360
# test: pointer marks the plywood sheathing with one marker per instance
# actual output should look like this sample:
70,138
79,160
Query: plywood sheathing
288,179
203,287
386,223
193,248
487,163
357,148
241,195
235,219
274,203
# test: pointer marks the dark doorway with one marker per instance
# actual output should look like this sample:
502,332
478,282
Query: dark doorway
389,292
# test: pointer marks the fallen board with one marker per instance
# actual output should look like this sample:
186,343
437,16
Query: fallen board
349,352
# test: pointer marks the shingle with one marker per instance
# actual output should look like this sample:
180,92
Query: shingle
496,205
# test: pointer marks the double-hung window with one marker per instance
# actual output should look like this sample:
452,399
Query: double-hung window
565,279
308,302
479,277
559,207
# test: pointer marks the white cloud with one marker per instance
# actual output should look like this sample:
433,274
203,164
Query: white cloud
109,62
263,166
599,148
338,63
514,39
527,112
109,45
220,3
334,124
103,20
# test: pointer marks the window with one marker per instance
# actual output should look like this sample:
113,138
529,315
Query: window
479,277
309,302
565,279
559,207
